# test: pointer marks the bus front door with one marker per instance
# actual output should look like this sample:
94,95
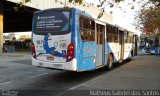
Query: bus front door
100,41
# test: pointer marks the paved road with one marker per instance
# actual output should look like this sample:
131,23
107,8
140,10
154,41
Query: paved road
17,73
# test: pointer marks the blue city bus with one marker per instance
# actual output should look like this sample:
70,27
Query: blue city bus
149,44
71,39
154,48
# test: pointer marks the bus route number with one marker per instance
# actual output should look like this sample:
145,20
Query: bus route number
40,42
87,49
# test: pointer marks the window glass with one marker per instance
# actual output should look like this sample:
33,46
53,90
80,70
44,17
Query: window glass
100,33
109,34
87,29
130,38
112,34
126,37
115,35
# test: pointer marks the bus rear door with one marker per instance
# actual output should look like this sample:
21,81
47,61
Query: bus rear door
100,42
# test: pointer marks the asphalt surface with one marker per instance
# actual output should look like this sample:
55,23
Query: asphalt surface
17,73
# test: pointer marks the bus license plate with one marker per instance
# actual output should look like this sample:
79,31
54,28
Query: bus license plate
50,58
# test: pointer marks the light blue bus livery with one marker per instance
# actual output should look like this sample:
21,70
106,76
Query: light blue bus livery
71,39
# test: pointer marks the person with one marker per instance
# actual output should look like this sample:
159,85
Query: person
5,49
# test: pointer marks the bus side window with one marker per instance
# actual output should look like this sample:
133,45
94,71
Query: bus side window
126,37
87,29
92,25
115,32
130,37
110,34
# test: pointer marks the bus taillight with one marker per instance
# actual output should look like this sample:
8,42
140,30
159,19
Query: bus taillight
70,52
33,51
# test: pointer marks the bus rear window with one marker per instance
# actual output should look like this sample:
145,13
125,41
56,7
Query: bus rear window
54,22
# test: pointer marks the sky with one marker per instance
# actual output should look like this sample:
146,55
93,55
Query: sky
122,13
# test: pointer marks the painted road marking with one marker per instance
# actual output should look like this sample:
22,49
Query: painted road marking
39,75
72,88
9,82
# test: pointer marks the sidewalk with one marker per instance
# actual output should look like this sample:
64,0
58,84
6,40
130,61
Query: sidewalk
15,56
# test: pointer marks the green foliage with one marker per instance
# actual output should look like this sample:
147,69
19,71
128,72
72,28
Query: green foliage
118,1
66,8
15,9
100,15
70,0
20,4
76,1
26,1
80,1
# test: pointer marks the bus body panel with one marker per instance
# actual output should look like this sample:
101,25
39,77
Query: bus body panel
85,50
113,48
51,50
58,43
127,50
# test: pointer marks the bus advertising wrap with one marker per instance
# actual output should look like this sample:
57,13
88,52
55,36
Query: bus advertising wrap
52,22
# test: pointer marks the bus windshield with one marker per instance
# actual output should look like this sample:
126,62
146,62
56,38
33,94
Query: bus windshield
54,22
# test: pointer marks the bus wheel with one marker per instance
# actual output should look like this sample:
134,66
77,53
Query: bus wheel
109,62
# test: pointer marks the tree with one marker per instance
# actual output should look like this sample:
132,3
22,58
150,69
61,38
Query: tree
20,5
149,17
